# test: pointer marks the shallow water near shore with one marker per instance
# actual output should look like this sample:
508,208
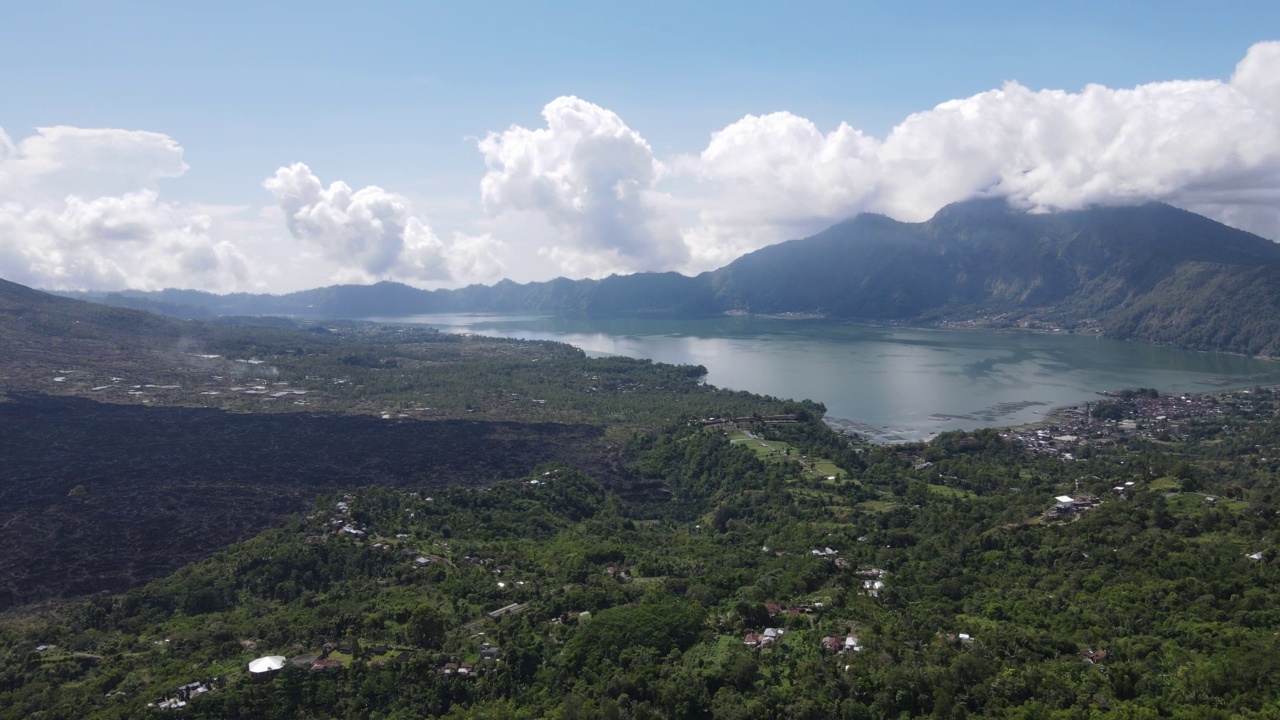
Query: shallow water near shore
891,383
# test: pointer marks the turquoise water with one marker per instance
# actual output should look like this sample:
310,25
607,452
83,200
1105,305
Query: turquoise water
902,383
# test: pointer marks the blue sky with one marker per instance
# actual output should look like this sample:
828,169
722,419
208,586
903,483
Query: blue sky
397,95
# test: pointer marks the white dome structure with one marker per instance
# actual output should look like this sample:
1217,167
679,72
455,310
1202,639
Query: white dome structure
268,664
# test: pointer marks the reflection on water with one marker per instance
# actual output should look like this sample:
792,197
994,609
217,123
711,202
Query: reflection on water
902,383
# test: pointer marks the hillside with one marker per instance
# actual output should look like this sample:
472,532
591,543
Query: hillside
132,444
789,575
1149,272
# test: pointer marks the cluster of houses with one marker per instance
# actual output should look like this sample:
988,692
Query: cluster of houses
848,644
1146,417
763,639
746,420
872,581
1066,505
183,694
342,524
488,653
466,670
831,643
323,661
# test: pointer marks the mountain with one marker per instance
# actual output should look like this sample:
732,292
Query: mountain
1148,272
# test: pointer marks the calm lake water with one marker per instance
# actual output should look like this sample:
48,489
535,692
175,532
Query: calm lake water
894,383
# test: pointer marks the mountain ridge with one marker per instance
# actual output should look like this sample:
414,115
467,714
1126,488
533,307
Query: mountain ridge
1120,271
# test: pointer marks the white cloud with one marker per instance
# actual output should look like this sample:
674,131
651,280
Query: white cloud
129,241
86,162
81,211
475,258
1256,76
592,177
372,234
1209,146
584,193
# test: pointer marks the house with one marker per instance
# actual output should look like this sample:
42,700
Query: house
1085,501
1065,503
488,652
325,664
832,644
192,689
752,640
851,644
1093,657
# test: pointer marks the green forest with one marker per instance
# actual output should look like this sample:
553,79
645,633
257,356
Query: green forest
787,572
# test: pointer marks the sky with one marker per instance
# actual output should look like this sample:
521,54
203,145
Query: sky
273,147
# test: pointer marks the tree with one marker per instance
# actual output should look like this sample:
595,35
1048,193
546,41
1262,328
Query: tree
425,627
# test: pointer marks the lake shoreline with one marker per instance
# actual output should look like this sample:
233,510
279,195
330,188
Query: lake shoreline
893,382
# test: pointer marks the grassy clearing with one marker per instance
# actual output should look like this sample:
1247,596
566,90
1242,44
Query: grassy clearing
951,492
774,451
842,513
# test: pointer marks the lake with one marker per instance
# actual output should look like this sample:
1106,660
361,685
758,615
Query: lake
891,383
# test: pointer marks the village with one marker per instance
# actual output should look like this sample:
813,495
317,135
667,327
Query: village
1121,416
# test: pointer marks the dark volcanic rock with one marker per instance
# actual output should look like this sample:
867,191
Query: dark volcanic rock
165,486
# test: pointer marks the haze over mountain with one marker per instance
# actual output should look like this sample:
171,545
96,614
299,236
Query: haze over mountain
1150,272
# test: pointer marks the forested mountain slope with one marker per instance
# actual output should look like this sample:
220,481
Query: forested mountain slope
789,575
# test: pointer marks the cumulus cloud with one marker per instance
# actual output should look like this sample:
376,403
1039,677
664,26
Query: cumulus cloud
84,209
86,162
592,177
1209,146
81,211
373,234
